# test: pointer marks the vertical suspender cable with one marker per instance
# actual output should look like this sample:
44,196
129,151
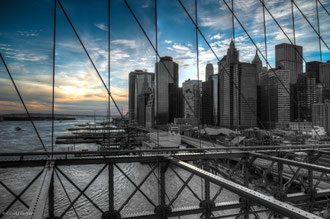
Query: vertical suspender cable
156,96
90,59
293,26
296,94
156,45
266,52
53,97
225,71
109,110
22,101
318,28
233,20
197,112
166,68
197,102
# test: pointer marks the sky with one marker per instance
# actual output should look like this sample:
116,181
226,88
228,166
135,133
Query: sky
26,42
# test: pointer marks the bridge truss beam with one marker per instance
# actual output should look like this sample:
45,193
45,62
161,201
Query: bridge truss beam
234,181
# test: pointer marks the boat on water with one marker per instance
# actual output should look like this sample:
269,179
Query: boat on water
18,128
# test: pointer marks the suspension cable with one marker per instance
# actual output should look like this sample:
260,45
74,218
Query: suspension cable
323,7
233,20
296,50
293,25
285,34
26,110
156,57
156,104
318,28
320,37
109,63
226,71
264,56
92,62
53,95
166,68
295,60
266,51
198,85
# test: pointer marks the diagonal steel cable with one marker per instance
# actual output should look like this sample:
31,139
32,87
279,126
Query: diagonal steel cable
271,68
23,103
167,70
293,44
226,71
90,59
320,37
323,7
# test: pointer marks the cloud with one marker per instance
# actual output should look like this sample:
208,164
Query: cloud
129,43
27,57
168,41
101,26
180,47
216,37
21,55
31,33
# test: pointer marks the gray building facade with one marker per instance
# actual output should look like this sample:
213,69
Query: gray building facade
289,57
237,91
209,70
166,76
141,85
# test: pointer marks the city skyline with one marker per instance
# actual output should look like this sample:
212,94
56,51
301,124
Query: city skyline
27,48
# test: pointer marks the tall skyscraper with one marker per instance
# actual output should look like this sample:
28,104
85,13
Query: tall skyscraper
215,101
248,96
279,98
306,95
238,91
256,60
141,85
208,71
264,100
210,101
150,111
166,76
142,102
314,66
321,115
228,71
207,103
191,90
325,74
176,103
289,57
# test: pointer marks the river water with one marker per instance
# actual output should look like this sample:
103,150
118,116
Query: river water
17,178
